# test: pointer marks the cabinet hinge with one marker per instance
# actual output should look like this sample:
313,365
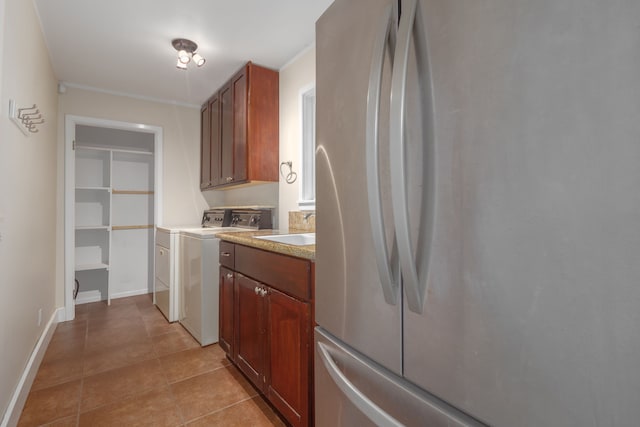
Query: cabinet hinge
73,145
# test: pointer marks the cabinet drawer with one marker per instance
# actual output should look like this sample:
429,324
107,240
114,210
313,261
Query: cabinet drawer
227,254
287,274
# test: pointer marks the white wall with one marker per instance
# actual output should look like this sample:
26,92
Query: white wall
294,77
2,7
183,202
28,167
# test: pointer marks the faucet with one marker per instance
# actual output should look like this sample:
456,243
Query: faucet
308,215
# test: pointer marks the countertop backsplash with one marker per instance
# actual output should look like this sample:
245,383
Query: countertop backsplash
302,221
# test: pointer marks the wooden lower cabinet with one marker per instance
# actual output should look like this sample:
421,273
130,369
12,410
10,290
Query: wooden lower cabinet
250,330
288,335
271,342
227,297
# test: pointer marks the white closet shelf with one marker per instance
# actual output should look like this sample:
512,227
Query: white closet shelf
131,227
132,192
91,227
88,267
115,149
94,188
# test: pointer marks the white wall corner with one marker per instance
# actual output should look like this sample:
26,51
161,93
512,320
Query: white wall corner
19,397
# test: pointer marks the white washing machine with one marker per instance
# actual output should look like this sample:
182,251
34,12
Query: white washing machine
199,273
166,291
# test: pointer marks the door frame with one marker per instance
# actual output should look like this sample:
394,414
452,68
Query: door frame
71,121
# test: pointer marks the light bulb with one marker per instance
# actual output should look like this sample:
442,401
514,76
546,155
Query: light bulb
183,56
198,59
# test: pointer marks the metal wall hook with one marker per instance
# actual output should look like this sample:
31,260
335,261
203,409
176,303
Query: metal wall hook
35,107
27,118
291,177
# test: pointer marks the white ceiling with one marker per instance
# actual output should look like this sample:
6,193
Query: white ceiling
124,46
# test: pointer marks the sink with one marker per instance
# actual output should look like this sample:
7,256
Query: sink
291,239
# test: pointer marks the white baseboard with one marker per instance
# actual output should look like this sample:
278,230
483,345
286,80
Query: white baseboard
86,297
14,410
125,294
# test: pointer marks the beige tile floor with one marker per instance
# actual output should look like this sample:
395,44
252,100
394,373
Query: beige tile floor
125,365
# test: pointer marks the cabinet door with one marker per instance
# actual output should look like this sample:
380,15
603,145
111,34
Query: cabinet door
226,311
250,333
239,85
215,130
226,134
205,147
288,352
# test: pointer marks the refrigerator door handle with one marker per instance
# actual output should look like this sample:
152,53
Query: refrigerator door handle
388,277
414,292
359,399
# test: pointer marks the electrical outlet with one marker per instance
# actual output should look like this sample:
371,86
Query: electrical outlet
39,316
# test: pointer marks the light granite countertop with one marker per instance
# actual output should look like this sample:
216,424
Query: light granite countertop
247,238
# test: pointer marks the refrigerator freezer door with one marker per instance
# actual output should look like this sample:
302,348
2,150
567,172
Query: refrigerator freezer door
350,301
531,316
352,390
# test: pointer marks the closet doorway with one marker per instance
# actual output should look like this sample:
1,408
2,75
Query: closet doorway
113,177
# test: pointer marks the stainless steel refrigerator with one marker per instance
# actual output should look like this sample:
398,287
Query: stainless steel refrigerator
478,201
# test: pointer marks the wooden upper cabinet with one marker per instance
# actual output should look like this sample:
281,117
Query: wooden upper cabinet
215,138
262,124
240,109
205,147
247,130
226,143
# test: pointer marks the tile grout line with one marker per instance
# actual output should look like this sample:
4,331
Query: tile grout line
224,408
196,375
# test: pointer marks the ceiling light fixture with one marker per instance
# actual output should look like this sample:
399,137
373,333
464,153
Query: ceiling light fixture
186,52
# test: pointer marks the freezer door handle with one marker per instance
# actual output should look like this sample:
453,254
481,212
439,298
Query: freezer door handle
362,402
413,290
388,277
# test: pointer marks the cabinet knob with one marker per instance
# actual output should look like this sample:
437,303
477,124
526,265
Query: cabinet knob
263,292
225,254
256,290
161,252
229,276
229,178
